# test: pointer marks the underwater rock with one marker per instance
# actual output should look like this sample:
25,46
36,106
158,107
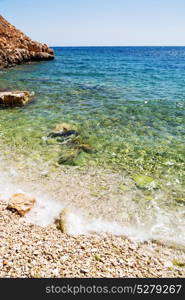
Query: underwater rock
82,145
68,158
86,148
63,130
62,222
81,159
73,147
15,98
17,48
64,127
22,203
63,134
143,181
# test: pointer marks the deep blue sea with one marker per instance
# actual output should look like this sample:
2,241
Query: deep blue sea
128,104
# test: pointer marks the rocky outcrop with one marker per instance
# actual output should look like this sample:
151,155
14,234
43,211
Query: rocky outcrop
16,98
17,48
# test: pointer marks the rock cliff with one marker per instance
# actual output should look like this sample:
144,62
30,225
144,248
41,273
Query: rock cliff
17,48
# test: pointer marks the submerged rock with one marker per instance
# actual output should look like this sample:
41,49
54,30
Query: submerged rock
81,159
80,144
69,157
74,148
63,130
64,127
17,48
143,181
22,203
15,98
63,134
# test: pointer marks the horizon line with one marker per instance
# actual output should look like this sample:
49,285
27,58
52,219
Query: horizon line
67,46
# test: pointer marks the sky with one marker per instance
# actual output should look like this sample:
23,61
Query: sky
99,22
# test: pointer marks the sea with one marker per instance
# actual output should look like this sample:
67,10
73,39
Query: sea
128,105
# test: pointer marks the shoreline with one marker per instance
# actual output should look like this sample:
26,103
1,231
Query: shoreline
32,251
96,201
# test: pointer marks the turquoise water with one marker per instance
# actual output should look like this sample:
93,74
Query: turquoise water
128,104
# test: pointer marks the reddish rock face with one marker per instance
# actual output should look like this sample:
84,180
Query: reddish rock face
17,48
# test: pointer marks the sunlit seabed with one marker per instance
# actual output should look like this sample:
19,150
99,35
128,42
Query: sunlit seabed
128,104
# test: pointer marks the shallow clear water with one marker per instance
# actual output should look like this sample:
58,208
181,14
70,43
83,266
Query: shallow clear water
127,102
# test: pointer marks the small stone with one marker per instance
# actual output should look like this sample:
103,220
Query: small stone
21,203
62,222
178,263
84,271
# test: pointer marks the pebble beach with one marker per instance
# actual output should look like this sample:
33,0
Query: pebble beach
32,251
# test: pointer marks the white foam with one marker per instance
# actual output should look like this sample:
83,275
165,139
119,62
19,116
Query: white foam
45,209
161,228
44,212
78,225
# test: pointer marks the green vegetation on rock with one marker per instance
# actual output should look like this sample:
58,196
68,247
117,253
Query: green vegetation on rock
143,181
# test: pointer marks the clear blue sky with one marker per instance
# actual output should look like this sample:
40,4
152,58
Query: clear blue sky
99,22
